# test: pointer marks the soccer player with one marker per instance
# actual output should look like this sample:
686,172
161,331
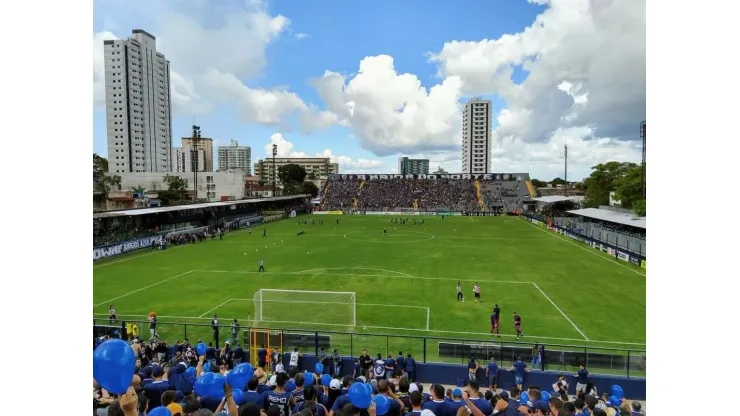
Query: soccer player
460,296
518,325
264,232
385,232
112,314
476,292
495,319
262,266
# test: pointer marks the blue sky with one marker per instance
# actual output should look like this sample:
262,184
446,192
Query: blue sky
257,82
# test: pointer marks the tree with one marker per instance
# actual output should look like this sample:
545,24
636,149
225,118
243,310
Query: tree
640,207
602,181
312,176
538,183
310,188
176,190
558,181
628,188
291,174
100,167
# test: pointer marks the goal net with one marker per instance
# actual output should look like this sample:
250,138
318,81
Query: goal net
304,309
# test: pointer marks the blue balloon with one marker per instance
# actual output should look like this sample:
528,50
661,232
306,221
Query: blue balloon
615,401
309,379
368,387
325,380
240,375
618,392
200,348
319,368
159,411
359,395
382,404
524,397
207,367
239,398
190,371
113,365
545,396
210,385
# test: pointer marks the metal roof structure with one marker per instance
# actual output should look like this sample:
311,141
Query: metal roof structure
611,216
159,210
553,198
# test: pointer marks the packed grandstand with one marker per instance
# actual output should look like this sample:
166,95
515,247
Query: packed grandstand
137,372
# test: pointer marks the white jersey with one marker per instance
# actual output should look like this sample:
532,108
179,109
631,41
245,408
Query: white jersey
459,289
294,359
476,289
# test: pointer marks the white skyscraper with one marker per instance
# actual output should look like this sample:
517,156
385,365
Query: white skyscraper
188,159
234,156
137,105
476,137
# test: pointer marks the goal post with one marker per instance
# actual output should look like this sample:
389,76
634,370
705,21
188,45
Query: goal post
305,308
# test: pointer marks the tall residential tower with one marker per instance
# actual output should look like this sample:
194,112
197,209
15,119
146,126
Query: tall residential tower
234,156
476,137
137,105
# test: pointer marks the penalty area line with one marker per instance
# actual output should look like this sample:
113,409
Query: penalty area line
561,312
143,288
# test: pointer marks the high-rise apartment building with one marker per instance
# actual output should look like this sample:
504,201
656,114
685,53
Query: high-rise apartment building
476,137
315,167
234,156
137,105
204,144
187,159
408,166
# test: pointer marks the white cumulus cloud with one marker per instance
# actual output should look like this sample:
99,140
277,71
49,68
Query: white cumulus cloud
346,164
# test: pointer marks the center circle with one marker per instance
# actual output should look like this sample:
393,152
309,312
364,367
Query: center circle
390,239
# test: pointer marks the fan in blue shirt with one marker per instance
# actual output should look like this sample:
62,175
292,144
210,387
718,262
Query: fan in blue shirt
519,368
298,391
437,404
451,407
251,395
279,396
482,404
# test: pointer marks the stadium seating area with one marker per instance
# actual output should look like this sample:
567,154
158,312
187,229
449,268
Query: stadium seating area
422,194
173,382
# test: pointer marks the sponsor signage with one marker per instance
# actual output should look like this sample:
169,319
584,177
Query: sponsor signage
643,264
479,214
124,247
328,212
623,256
634,260
453,176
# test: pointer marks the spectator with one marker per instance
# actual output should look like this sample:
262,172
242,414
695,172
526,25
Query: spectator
555,406
472,369
519,368
482,404
155,388
294,356
536,355
251,395
396,407
410,367
437,404
492,373
337,363
365,364
581,378
415,399
561,387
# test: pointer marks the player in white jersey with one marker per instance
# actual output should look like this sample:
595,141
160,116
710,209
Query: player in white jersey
460,296
476,292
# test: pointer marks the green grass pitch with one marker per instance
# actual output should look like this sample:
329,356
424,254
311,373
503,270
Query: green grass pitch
566,292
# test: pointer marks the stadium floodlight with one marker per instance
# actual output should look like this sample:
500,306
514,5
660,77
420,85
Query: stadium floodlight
304,308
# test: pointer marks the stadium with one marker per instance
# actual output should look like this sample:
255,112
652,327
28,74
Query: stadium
373,265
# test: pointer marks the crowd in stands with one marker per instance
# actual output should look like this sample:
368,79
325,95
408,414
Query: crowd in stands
275,389
403,193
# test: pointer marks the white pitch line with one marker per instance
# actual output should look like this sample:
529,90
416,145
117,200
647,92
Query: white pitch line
561,311
218,306
368,275
339,303
568,240
145,287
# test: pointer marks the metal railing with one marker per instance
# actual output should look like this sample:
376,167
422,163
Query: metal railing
626,362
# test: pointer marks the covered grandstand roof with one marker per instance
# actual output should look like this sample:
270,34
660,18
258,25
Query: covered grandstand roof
611,216
157,210
554,198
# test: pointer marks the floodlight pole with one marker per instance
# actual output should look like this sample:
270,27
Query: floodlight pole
274,172
643,135
565,190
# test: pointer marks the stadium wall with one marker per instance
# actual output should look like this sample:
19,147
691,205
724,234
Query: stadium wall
619,253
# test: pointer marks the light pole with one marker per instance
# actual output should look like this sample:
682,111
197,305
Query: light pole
194,160
274,172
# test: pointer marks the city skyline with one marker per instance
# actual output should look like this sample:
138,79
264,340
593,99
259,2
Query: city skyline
387,95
